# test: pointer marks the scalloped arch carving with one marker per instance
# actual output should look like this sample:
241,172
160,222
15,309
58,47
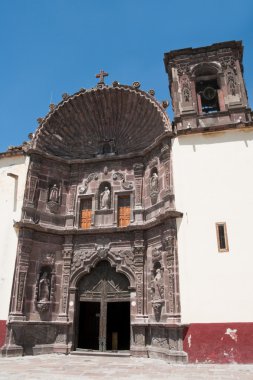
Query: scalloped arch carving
75,128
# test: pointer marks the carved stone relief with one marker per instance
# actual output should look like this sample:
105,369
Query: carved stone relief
228,62
119,176
231,82
186,89
84,187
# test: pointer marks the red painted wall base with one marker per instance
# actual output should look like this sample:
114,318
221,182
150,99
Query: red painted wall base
219,342
2,332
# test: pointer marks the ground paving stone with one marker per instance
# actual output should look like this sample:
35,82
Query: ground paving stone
61,367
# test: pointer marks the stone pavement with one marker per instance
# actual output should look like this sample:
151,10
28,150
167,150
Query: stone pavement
52,367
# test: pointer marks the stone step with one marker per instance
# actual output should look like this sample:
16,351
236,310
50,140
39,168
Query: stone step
85,352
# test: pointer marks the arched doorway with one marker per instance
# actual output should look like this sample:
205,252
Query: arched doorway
104,310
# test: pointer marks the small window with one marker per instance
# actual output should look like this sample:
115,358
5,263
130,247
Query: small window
222,238
124,211
85,213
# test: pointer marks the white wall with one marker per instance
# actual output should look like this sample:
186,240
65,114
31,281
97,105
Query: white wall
213,178
9,210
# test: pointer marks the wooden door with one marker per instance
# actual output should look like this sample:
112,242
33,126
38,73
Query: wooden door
104,286
85,213
123,211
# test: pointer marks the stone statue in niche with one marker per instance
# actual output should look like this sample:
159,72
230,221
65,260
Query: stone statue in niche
44,288
54,194
105,198
54,198
154,186
154,182
157,288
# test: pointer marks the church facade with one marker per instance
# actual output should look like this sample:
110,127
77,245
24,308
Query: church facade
129,231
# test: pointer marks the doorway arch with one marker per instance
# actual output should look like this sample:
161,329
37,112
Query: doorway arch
103,309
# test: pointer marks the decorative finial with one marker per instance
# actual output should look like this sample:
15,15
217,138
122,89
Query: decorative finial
65,96
152,92
40,120
115,83
136,84
165,103
102,74
51,107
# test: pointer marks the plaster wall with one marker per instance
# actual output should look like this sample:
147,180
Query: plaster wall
214,183
11,200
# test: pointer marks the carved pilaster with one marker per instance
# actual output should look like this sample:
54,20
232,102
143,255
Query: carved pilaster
138,173
23,254
170,248
139,252
67,253
31,188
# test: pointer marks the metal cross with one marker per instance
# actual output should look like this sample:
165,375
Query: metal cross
101,76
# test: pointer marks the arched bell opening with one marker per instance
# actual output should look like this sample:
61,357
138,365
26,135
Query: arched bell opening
103,310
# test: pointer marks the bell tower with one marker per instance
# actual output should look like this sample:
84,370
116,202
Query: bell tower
207,86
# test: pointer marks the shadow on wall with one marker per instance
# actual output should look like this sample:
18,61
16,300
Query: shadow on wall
245,135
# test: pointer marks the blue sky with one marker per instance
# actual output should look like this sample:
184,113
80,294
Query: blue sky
49,47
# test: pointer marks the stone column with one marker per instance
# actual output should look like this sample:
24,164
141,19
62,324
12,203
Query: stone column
138,210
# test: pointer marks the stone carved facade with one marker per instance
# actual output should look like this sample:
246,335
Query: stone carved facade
58,252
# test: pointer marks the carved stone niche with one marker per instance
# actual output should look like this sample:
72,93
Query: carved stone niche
104,196
54,197
154,185
157,290
44,288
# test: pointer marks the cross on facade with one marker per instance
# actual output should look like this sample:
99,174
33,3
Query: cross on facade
101,76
